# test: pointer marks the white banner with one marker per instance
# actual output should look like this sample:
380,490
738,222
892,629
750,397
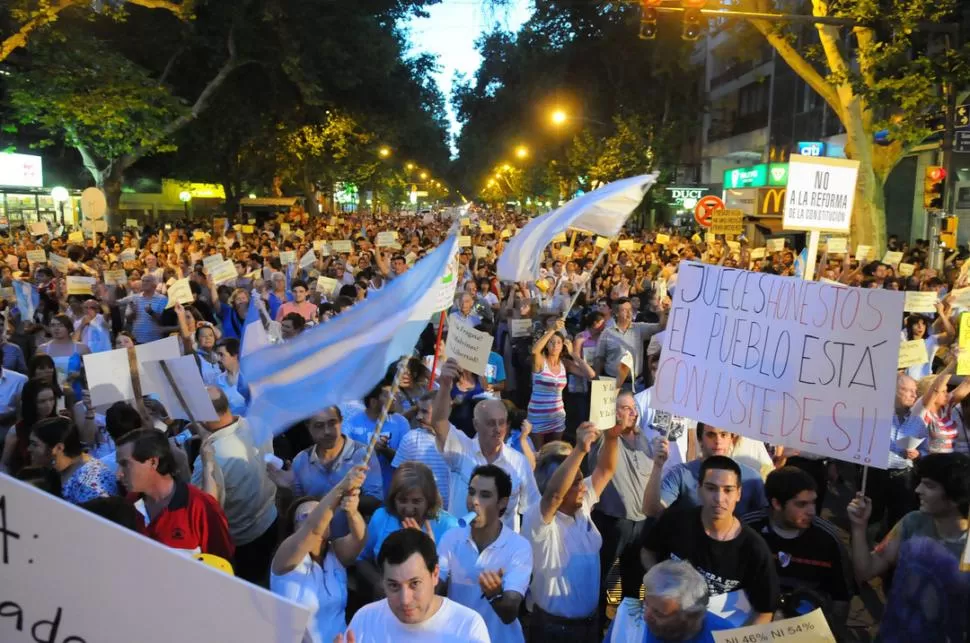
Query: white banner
820,193
602,403
47,585
468,346
803,364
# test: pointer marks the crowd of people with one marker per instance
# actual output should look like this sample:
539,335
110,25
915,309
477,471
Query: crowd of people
492,508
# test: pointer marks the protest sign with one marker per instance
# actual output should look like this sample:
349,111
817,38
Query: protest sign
520,327
602,403
775,245
223,272
727,222
464,241
80,285
759,253
179,292
284,228
892,258
963,361
912,353
186,375
626,245
921,301
662,239
47,584
505,234
36,256
386,239
960,298
327,286
837,245
343,246
468,346
108,374
308,259
128,254
444,290
696,238
734,246
905,269
862,252
287,257
820,193
212,260
802,364
39,228
131,223
602,242
808,628
76,237
486,228
559,238
59,263
479,252
465,221
248,229
115,277
198,235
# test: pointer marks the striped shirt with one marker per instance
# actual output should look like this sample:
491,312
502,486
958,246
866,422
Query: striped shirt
145,329
418,445
944,428
546,411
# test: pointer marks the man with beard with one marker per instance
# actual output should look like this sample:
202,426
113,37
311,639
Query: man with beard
464,454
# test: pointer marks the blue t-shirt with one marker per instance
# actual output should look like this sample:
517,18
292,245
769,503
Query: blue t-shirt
680,485
495,370
383,524
360,427
712,623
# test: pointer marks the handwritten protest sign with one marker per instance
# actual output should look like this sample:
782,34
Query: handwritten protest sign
212,260
809,628
179,292
343,246
248,229
47,584
559,238
36,256
128,254
963,361
775,245
728,222
960,298
465,221
80,285
820,193
308,259
287,257
505,234
464,241
520,327
223,272
921,302
76,237
662,239
108,374
115,277
59,263
486,228
836,245
759,253
39,228
284,228
625,245
602,242
386,239
468,346
327,286
905,269
862,252
602,403
892,258
802,364
912,353
131,223
479,252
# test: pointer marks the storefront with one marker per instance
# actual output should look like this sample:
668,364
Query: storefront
24,199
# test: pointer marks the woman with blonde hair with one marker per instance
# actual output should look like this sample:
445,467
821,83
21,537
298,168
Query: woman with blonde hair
412,502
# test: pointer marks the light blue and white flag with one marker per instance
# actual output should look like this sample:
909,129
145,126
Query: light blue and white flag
346,357
800,261
254,333
602,211
28,299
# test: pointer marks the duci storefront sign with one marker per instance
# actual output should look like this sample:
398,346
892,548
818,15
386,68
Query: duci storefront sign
686,197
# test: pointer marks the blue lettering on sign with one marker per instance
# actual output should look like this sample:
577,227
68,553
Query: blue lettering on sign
811,148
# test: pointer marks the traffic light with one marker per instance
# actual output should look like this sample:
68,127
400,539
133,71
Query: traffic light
693,19
948,232
933,187
648,18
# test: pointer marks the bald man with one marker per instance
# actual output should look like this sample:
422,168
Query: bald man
248,495
463,454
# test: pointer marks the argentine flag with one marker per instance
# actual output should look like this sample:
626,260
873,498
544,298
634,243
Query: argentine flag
345,358
28,299
602,211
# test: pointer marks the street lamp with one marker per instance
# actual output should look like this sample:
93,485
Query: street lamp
384,152
424,176
522,152
410,166
559,117
60,196
185,196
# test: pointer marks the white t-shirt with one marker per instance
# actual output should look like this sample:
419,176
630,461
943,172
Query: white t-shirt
566,559
753,454
322,590
461,563
375,623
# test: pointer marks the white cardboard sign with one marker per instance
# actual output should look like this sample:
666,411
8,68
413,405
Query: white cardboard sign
47,585
820,193
108,375
185,373
468,346
804,364
602,403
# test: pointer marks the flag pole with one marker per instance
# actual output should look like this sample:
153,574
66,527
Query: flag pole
589,278
395,386
437,350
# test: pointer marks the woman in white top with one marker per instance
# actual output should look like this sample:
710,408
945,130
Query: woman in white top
918,327
308,570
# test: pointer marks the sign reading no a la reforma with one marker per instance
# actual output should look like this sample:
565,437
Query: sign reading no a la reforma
820,193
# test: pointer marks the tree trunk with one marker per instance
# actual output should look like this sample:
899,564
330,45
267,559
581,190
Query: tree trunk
110,184
869,211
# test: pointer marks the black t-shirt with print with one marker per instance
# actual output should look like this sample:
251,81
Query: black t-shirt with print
815,559
743,562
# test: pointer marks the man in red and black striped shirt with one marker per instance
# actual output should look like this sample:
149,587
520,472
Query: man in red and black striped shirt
179,515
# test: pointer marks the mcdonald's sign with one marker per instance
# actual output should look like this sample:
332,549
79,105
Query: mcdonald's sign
771,201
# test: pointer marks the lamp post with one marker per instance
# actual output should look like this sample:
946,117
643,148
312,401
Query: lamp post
60,196
185,196
522,152
559,117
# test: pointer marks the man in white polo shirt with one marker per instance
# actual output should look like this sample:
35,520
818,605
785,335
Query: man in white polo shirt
565,542
412,613
487,565
463,454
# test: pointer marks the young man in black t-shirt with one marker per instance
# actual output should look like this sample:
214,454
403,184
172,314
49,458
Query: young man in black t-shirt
729,555
807,550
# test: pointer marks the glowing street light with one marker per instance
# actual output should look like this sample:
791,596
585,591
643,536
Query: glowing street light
522,152
409,166
559,117
506,167
185,196
424,176
384,152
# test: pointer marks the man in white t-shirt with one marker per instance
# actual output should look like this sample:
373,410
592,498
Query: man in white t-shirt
487,565
565,541
412,612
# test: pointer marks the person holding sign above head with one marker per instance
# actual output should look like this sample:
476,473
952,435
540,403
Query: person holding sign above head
565,541
941,409
551,361
486,565
729,555
412,613
177,514
309,566
490,419
918,327
626,336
